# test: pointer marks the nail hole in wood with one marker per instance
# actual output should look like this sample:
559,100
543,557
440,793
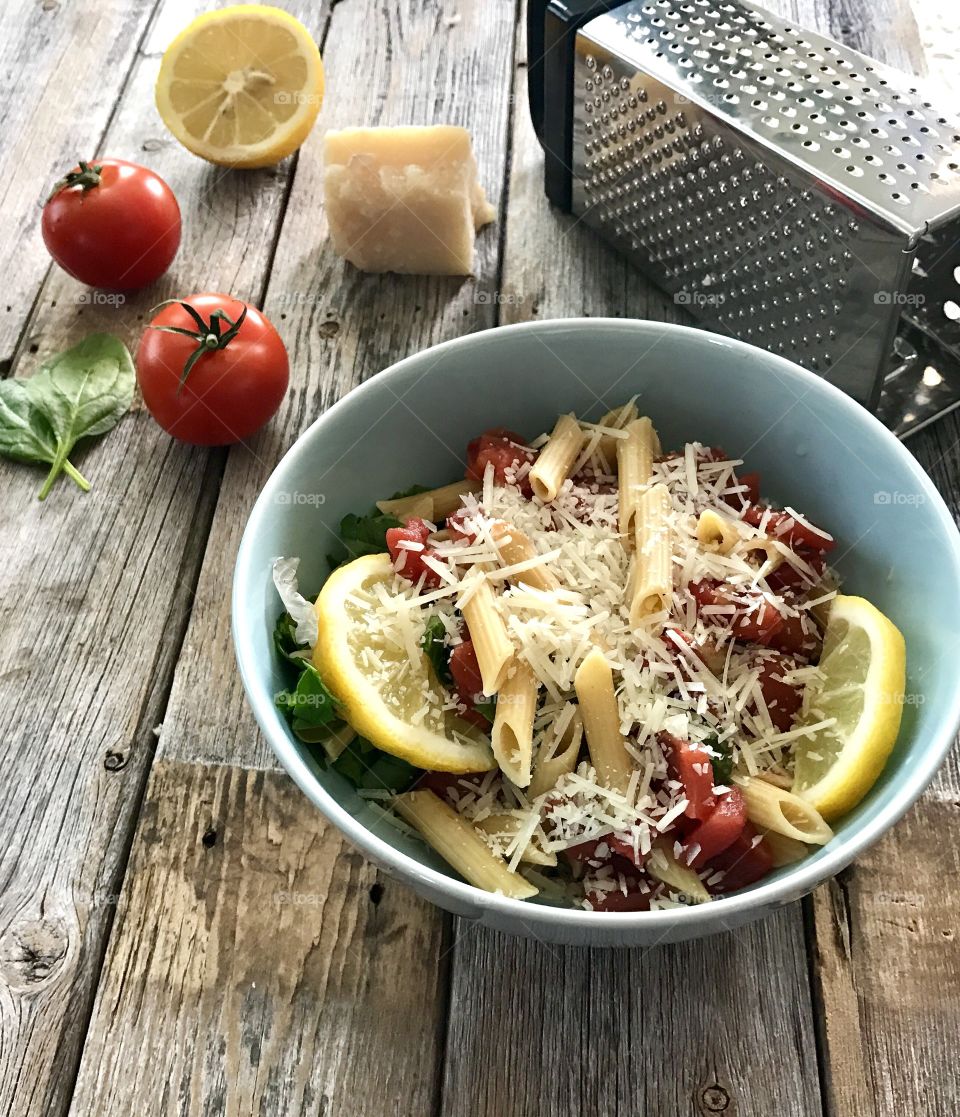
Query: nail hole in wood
376,893
209,839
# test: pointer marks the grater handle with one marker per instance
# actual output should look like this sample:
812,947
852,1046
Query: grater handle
552,27
536,18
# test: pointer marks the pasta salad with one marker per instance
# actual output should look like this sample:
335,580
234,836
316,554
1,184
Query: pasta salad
590,671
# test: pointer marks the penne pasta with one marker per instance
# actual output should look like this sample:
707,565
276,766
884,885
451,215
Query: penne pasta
653,580
433,505
516,547
593,683
663,866
635,456
719,533
489,635
784,850
774,809
548,771
460,845
769,554
505,828
618,418
512,734
555,460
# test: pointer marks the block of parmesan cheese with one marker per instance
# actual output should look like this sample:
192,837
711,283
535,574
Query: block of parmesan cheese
404,199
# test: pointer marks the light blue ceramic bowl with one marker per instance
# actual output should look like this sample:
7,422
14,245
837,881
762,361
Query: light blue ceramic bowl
816,450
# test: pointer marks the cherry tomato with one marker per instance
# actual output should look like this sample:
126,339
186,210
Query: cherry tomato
221,383
112,224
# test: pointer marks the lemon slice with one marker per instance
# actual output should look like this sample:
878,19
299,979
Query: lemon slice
383,680
241,86
864,665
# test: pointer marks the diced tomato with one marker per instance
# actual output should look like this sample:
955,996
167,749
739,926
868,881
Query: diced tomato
723,826
505,450
787,577
634,899
457,526
409,563
787,529
753,619
743,862
623,847
782,699
467,683
691,765
795,635
752,483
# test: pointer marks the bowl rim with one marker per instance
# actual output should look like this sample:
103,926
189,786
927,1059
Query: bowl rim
704,918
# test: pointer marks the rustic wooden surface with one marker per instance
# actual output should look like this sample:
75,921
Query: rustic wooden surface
180,932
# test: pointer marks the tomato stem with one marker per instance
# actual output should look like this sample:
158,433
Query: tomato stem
207,334
86,178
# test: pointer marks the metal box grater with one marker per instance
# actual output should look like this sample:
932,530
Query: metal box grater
786,189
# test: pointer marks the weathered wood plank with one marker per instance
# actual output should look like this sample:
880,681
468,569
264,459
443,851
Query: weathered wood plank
62,67
888,971
425,61
715,1026
94,595
270,969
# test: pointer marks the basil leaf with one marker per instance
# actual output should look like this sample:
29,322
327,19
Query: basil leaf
25,435
310,701
721,759
366,767
366,535
487,707
80,393
436,650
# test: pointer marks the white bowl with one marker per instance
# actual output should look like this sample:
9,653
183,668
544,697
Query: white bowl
816,450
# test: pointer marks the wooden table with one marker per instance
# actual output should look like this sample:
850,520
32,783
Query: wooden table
180,931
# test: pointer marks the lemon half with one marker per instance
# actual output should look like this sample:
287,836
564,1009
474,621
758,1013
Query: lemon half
241,86
388,695
864,667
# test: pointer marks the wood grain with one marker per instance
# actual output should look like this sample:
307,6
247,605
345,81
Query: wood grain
95,592
708,1027
62,67
341,327
270,969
